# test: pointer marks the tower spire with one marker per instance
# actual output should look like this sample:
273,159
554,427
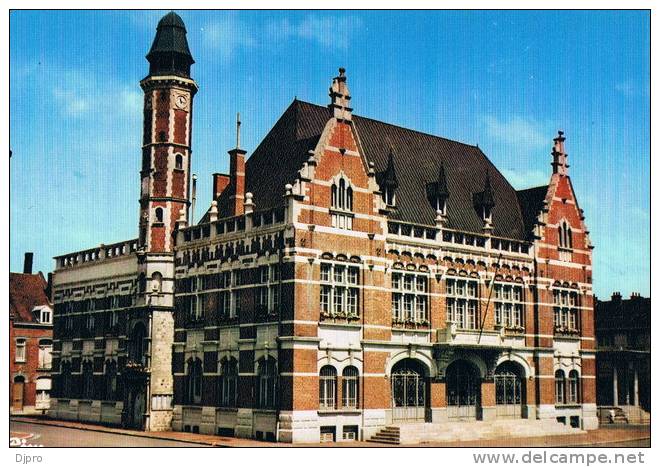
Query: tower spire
559,156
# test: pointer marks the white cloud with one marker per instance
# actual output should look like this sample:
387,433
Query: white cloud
627,88
524,133
225,36
329,31
521,178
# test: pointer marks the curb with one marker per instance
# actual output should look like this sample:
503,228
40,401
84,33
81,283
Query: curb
101,429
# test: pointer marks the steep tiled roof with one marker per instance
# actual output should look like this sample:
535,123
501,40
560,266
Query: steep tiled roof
25,292
283,151
531,203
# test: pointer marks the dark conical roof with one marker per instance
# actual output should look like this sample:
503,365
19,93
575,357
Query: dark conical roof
388,178
443,191
169,53
486,198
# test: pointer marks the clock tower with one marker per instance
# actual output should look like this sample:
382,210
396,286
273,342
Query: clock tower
164,199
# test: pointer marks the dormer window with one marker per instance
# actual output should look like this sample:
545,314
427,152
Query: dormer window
437,193
46,317
389,196
388,182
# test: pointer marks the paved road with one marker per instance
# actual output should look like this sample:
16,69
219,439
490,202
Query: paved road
52,436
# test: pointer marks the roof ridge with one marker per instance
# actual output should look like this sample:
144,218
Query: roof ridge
533,188
400,127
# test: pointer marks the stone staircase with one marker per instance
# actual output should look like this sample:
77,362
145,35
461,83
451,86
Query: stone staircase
619,418
419,433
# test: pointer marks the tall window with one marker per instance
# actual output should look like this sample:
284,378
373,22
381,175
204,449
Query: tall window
268,295
178,162
462,302
410,297
573,387
267,374
341,199
159,215
195,371
88,380
327,387
560,387
228,383
20,350
349,390
110,380
45,356
566,310
509,305
565,235
340,290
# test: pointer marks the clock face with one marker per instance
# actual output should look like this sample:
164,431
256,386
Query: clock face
181,101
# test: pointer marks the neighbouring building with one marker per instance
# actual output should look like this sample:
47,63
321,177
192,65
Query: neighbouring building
30,341
349,275
623,359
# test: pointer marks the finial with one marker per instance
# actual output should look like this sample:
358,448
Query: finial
342,71
238,130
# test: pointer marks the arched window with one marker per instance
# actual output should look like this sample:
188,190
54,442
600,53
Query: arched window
341,195
267,374
327,387
156,281
565,236
110,380
178,162
560,387
194,386
573,387
349,387
88,380
159,215
228,383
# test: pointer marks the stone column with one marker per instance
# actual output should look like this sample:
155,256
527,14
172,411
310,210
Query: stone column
635,400
615,385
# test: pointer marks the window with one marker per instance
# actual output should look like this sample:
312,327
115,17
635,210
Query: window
327,387
46,316
43,387
566,309
349,389
410,298
267,380
88,380
565,242
268,295
462,303
159,215
560,387
45,357
20,350
509,307
341,199
228,383
178,162
340,290
111,380
194,385
573,387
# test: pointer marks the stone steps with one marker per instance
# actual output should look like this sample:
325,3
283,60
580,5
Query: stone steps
416,433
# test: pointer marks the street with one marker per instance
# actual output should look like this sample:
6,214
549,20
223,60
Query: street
53,436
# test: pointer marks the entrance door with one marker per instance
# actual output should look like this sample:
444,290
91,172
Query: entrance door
18,392
508,390
408,392
463,391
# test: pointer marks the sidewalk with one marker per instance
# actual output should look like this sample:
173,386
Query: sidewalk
604,435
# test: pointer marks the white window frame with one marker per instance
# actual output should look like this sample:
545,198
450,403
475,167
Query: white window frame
566,310
509,305
410,297
462,302
20,355
340,289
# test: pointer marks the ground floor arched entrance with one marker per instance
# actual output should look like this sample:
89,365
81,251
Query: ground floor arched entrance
509,390
409,391
463,386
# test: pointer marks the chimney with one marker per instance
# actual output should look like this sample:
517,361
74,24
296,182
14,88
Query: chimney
49,286
634,295
237,174
27,263
616,297
220,182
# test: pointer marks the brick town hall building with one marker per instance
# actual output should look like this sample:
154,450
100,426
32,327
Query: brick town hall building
350,275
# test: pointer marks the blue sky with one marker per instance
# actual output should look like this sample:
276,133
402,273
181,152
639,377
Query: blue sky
504,80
